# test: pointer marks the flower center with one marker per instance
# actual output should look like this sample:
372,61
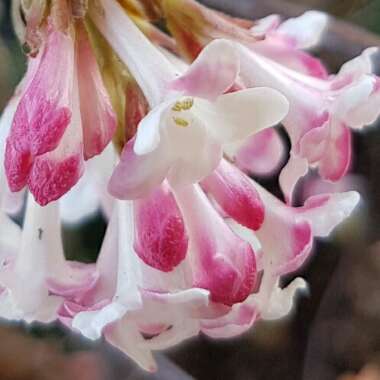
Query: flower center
182,106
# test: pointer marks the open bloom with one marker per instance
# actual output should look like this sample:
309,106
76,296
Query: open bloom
192,244
322,111
323,108
286,42
140,304
181,139
283,243
194,26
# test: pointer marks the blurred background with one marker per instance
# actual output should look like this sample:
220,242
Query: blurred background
333,333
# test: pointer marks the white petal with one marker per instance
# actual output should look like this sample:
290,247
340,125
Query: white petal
10,235
330,213
281,300
353,96
148,66
296,168
235,116
176,334
148,131
80,203
265,25
125,336
306,29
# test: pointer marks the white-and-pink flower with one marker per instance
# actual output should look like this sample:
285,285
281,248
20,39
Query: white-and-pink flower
193,244
64,116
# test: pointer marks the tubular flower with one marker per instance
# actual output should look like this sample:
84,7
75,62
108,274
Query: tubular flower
193,244
36,258
190,110
321,113
63,116
323,108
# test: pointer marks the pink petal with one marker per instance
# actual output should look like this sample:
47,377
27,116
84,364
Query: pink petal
44,111
285,237
327,211
337,159
136,176
236,195
262,153
222,263
212,73
287,55
161,239
314,143
98,117
53,174
239,320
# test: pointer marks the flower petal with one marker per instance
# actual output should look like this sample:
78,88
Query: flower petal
128,339
265,25
136,176
54,173
281,300
161,239
327,211
148,131
98,117
235,116
152,71
285,236
236,195
262,153
44,111
212,73
306,30
222,263
337,158
296,168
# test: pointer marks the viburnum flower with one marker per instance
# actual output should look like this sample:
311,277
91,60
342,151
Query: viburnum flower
322,111
64,115
194,26
322,107
35,257
140,304
193,244
181,138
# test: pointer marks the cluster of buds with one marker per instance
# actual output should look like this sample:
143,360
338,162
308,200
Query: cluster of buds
162,130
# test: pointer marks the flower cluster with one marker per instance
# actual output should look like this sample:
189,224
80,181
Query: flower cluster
161,131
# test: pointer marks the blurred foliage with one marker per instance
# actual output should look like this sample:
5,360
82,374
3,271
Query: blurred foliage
363,12
368,16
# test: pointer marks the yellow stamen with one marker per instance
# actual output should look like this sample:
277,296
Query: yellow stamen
183,105
177,107
187,104
181,122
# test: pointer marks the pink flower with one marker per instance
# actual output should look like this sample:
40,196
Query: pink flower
285,42
321,112
161,238
182,137
59,121
193,244
34,256
283,243
139,305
